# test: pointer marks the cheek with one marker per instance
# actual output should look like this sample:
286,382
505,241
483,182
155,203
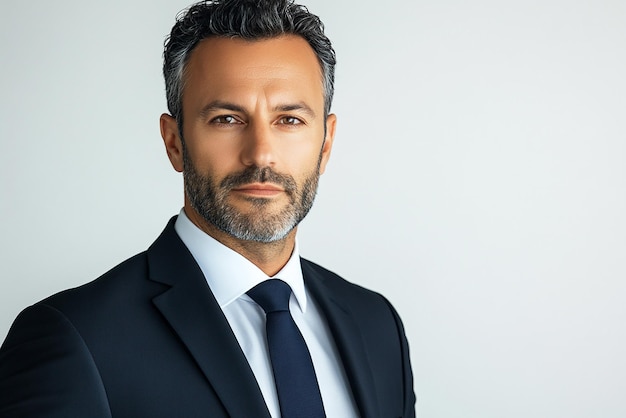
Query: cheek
300,161
307,165
302,150
217,159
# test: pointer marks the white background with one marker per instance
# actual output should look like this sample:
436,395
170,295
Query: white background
478,180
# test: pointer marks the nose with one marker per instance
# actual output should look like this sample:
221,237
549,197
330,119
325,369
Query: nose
258,148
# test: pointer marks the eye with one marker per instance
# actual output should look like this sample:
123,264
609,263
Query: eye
225,120
290,120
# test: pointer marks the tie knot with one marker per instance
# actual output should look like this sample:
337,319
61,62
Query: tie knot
271,295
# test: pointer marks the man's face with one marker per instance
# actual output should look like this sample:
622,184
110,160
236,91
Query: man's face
253,135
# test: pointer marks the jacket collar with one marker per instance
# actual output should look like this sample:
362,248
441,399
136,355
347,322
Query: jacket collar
348,339
194,314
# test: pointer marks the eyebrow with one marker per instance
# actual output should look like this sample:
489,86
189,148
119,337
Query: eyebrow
224,105
300,106
220,105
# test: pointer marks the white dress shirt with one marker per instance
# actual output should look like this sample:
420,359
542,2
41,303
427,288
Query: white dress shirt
230,275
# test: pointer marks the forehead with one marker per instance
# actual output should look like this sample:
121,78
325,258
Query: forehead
234,66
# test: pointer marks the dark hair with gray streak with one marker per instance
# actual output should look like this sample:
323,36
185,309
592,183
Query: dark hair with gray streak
246,19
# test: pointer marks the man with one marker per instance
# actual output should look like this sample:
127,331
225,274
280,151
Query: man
180,330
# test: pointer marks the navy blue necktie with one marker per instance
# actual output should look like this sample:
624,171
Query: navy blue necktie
298,392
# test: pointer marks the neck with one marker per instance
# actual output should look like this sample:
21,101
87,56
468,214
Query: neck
270,257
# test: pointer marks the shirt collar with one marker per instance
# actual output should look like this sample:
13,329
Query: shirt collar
229,274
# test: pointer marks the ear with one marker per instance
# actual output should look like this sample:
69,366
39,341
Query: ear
172,141
331,123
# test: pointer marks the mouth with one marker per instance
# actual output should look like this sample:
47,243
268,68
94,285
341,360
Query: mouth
259,189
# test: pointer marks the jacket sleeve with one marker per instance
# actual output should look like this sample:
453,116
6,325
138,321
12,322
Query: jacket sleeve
46,369
409,393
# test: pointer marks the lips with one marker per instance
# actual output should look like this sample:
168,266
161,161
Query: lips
261,189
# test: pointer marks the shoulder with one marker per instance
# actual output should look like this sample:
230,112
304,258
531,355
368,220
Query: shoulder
119,292
52,349
314,272
365,302
91,311
123,277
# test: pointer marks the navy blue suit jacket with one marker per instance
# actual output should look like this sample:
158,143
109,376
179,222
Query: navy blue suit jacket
148,339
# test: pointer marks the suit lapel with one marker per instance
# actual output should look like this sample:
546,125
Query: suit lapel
194,314
348,339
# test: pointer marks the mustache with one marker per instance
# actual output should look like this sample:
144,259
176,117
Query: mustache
255,174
